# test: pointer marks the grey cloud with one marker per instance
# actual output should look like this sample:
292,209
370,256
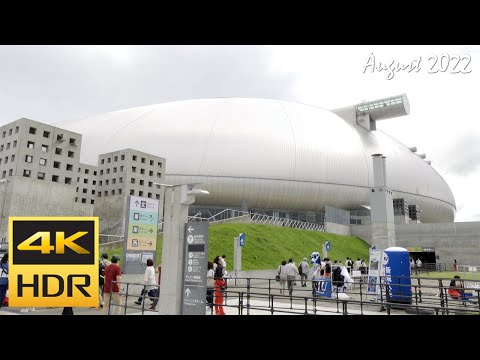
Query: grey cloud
55,83
463,156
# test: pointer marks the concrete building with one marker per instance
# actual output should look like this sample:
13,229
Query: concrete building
41,175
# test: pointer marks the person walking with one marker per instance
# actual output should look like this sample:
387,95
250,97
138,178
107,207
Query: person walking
219,287
148,279
113,272
283,276
455,265
157,293
210,285
304,274
291,271
3,277
104,262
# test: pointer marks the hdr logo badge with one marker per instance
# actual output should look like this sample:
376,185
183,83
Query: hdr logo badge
53,261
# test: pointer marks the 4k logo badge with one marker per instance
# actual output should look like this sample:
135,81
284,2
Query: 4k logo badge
53,261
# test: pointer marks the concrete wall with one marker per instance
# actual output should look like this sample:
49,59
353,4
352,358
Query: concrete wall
460,241
338,229
111,211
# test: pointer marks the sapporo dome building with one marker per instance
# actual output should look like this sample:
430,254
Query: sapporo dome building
275,156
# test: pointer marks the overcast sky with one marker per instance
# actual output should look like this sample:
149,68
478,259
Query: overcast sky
57,83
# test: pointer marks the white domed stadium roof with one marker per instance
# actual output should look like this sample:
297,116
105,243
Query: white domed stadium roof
270,154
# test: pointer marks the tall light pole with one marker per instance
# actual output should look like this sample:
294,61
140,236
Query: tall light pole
3,205
175,217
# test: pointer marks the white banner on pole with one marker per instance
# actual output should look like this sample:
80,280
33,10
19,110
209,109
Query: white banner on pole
374,272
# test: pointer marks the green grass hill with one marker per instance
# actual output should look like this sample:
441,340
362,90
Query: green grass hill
266,245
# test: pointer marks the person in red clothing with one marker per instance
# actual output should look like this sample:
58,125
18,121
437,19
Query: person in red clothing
219,287
113,272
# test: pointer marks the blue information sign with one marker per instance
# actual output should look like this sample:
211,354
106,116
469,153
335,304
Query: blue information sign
242,239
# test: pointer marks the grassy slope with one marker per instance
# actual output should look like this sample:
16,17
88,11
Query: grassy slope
266,246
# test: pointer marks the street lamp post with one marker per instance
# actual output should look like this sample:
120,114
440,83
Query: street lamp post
175,218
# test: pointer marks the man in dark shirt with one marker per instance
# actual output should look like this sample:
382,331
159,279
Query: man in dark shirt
113,272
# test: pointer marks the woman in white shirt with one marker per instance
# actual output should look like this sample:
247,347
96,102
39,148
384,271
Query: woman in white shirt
148,279
210,281
283,276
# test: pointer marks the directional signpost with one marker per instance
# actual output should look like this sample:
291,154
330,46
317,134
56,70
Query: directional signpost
140,241
242,239
195,268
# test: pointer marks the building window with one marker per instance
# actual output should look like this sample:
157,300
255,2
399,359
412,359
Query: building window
149,195
56,164
152,162
26,173
12,158
92,201
101,172
69,167
93,192
44,148
72,141
1,147
41,176
114,181
58,151
16,129
113,192
100,182
68,180
120,191
99,194
32,130
132,180
84,201
120,179
160,165
10,132
8,146
150,184
106,182
30,144
43,162
71,154
46,134
143,160
28,158
150,173
87,171
141,182
108,171
102,161
94,182
132,192
85,181
134,169
4,173
159,175
105,193
76,199
109,160
134,157
114,169
95,173
76,190
123,157
121,168
55,178
157,196
10,172
6,159
3,134
1,161
142,171
140,193
15,143
84,191
115,158
78,179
